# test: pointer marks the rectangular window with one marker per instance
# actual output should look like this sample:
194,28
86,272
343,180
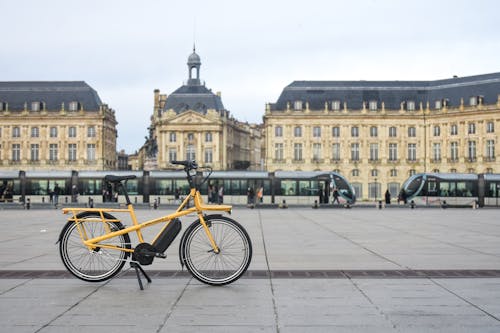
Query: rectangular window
35,152
278,131
472,150
35,106
316,151
278,151
72,132
297,131
53,152
91,152
91,132
393,132
355,151
412,132
336,152
437,131
53,132
354,131
16,152
373,131
336,105
454,151
490,127
16,132
393,151
297,151
316,132
72,152
335,132
472,128
454,129
490,149
412,152
172,154
35,132
297,105
208,155
372,105
73,106
373,151
436,151
190,153
208,137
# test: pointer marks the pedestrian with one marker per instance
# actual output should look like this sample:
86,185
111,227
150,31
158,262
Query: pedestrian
336,196
221,194
387,197
260,195
321,194
177,195
57,191
250,195
74,194
210,193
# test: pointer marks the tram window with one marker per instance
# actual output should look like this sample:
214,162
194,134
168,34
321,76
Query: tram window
182,185
289,187
8,189
444,189
235,188
90,186
306,189
163,186
464,189
432,188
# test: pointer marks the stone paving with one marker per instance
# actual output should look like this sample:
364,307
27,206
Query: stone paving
295,239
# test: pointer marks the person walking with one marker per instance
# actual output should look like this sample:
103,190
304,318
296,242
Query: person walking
387,197
336,196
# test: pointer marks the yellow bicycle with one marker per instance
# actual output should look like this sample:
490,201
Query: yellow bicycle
94,245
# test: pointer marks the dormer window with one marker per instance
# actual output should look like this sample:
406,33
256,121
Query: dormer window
473,101
73,106
297,105
438,105
410,106
335,105
372,105
35,106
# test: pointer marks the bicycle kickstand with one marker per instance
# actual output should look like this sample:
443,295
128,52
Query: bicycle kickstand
138,268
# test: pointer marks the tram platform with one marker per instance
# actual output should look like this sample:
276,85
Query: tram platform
313,270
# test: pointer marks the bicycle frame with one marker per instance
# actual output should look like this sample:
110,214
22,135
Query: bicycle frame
182,210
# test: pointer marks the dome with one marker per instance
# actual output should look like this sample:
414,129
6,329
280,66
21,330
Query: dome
194,59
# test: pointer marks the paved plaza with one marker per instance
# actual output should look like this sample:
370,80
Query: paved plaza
313,270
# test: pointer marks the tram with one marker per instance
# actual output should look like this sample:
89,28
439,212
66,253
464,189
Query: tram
165,187
459,189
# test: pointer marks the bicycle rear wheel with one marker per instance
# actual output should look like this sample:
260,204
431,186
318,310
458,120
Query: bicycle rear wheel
220,268
93,265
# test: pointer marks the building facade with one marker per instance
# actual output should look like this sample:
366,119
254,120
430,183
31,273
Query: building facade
192,123
378,133
55,126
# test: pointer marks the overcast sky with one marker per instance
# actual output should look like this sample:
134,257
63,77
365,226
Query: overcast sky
250,50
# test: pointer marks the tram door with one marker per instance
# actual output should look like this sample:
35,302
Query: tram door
324,190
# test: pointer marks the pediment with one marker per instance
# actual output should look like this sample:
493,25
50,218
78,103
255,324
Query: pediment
191,117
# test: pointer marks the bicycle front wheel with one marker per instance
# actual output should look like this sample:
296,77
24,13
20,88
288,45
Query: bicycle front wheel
235,251
93,265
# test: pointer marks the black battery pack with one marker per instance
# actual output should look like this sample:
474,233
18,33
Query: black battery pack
167,235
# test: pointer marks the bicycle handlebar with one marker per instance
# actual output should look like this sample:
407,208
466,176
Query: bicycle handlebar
188,165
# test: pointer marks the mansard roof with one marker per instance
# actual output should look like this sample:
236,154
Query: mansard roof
392,93
52,93
193,97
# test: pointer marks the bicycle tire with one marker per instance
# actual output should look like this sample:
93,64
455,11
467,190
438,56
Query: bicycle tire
92,265
213,268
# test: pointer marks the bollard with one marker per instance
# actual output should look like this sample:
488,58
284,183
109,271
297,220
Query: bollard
283,204
135,200
380,204
28,203
444,205
43,199
91,202
155,204
315,204
412,204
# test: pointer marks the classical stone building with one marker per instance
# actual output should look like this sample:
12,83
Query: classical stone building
192,123
377,133
55,126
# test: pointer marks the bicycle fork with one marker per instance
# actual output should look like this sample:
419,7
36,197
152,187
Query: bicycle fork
215,248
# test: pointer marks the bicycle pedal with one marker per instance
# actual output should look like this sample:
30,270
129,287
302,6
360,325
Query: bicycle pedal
160,255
